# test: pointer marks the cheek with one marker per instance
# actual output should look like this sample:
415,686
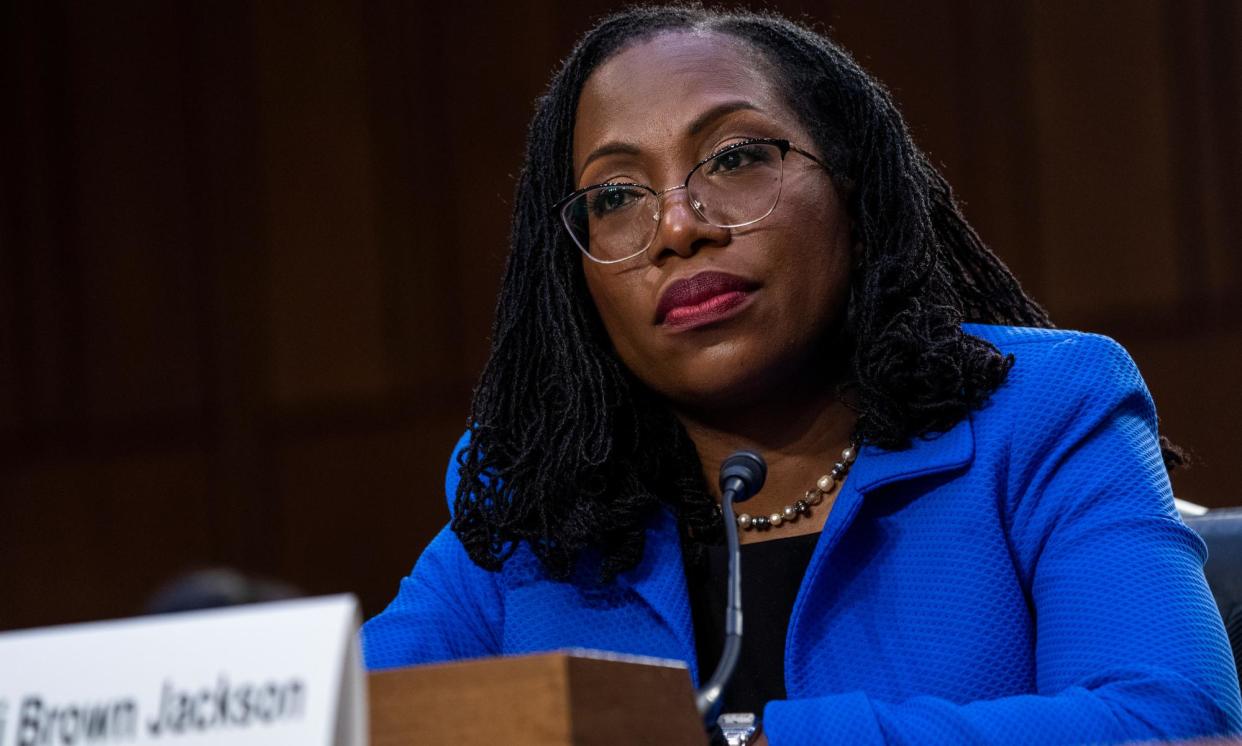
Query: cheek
821,217
616,304
816,259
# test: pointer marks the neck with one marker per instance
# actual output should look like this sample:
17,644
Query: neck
800,431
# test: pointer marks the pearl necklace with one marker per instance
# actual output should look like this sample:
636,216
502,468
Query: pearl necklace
824,486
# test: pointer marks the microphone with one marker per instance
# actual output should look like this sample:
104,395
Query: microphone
741,477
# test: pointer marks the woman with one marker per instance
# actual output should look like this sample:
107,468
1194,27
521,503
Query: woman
725,238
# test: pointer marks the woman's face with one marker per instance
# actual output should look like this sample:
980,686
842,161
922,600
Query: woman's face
710,314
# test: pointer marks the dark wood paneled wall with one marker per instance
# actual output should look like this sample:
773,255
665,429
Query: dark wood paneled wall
248,252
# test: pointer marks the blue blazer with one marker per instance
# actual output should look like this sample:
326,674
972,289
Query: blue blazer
1021,578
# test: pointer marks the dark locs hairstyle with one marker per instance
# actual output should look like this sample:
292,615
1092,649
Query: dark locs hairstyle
569,453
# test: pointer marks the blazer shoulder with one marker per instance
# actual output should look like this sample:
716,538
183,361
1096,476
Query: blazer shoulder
1059,375
1009,337
452,475
1061,359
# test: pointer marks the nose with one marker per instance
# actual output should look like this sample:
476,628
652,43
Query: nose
680,230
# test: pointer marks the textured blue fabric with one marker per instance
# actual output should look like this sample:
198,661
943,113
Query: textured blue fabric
1022,578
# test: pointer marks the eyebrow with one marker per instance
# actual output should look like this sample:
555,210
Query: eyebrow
716,112
695,127
612,148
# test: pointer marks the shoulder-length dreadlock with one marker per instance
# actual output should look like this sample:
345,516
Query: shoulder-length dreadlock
568,452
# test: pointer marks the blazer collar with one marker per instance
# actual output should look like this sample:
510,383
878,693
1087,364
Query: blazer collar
932,454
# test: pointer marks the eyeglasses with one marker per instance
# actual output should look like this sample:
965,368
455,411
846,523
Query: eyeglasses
733,187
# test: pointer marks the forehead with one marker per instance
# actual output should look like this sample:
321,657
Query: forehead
653,89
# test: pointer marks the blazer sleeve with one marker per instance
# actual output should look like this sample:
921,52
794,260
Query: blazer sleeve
1130,646
448,608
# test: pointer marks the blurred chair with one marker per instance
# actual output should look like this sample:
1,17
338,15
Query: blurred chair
214,588
1221,530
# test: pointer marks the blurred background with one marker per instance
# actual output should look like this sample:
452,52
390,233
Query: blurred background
249,252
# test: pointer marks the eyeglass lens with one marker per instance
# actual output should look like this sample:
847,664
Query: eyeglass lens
738,187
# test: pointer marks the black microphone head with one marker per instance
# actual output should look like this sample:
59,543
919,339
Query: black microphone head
746,466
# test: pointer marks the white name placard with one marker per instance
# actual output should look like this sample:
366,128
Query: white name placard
286,673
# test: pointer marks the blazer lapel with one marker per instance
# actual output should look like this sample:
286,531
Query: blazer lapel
873,469
660,581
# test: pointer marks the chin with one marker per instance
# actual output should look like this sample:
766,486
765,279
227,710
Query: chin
719,388
746,376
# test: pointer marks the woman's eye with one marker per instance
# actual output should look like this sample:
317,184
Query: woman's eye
738,158
729,161
735,159
610,199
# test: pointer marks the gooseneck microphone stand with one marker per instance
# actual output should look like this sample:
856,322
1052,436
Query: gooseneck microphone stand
741,476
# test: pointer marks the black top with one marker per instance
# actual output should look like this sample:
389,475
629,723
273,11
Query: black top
771,575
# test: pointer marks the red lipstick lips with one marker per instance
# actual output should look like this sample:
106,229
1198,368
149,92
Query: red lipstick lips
702,299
